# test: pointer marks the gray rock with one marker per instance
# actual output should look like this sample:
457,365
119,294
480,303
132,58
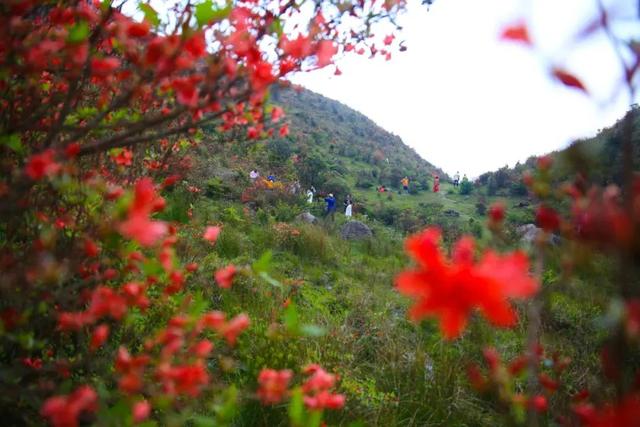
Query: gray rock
529,233
307,217
451,213
355,230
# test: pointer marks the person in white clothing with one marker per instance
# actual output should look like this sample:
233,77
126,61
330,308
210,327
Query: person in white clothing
309,196
254,175
348,212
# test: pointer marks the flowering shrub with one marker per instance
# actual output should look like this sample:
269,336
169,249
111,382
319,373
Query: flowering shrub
98,114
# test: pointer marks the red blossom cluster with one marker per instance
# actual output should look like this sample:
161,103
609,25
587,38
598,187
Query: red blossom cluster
176,357
600,217
317,389
273,385
63,411
625,413
451,289
138,226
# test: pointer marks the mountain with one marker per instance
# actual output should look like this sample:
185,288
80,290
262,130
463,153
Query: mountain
358,152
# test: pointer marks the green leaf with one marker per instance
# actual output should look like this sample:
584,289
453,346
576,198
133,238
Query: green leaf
206,12
291,319
13,141
315,419
264,263
312,331
152,267
276,27
150,14
270,280
296,407
228,409
78,33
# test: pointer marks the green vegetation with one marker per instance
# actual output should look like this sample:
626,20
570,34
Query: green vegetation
331,301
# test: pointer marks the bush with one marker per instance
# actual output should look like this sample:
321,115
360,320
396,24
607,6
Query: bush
338,186
466,187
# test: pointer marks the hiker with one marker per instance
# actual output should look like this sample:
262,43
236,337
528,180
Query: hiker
436,184
271,178
310,193
253,175
331,206
381,189
456,179
405,184
347,200
348,212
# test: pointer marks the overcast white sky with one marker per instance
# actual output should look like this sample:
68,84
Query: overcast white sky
466,101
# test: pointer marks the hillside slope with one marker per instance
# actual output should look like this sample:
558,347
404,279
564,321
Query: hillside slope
326,128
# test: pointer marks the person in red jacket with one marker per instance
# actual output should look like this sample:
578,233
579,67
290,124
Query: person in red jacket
436,184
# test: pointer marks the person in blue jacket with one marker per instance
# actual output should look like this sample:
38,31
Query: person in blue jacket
331,206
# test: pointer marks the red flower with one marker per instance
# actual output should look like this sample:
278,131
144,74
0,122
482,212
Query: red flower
624,413
547,218
138,29
63,411
99,336
183,379
91,250
517,33
138,226
326,50
72,150
276,114
124,157
273,385
234,327
41,164
141,411
253,132
539,403
202,348
284,131
104,67
568,79
548,383
299,48
213,320
211,233
496,212
196,45
451,289
224,276
316,389
325,400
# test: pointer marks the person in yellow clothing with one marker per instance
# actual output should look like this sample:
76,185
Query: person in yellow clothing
405,184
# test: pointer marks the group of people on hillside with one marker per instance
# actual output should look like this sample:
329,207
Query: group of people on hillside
331,204
456,179
330,200
405,185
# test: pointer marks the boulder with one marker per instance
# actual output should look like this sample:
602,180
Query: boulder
529,233
307,217
355,230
